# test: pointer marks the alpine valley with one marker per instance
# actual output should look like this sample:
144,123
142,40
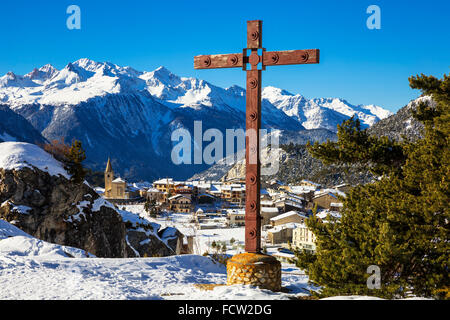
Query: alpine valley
129,115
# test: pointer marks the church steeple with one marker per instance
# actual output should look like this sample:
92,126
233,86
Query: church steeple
108,166
109,176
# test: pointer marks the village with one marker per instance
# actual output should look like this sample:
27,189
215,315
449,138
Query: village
211,214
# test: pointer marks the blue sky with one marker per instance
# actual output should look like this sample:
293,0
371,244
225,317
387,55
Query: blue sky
360,65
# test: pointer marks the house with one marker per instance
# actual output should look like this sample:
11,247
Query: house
237,194
336,206
204,198
326,197
236,217
281,234
165,186
303,191
233,193
303,238
181,188
153,194
180,203
289,203
267,213
343,187
267,203
325,215
290,216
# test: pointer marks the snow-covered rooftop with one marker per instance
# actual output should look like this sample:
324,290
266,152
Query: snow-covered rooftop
269,209
290,225
288,214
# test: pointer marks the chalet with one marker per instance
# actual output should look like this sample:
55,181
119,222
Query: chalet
304,238
267,213
289,203
180,203
290,216
336,206
305,192
233,193
343,187
326,197
204,198
165,185
181,188
153,194
236,217
281,234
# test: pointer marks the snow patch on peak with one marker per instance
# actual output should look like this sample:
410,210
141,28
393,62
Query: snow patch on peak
48,68
273,91
322,112
88,64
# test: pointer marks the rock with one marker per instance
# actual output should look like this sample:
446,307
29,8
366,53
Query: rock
56,210
60,212
172,238
147,244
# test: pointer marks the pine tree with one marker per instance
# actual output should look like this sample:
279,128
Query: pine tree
150,207
74,158
400,222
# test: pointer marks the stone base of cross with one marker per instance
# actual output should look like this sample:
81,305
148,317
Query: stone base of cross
253,267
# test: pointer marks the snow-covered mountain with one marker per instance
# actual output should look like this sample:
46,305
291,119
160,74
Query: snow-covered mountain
14,127
129,115
322,112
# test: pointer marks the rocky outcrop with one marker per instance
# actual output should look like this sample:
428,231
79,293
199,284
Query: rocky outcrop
56,210
402,124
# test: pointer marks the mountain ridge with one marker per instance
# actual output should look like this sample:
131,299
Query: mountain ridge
129,115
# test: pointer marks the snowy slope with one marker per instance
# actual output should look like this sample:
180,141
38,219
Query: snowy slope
14,127
35,269
14,243
18,155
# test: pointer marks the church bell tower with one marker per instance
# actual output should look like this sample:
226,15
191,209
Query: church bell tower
109,176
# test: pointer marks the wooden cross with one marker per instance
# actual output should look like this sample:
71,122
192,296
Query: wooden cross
253,112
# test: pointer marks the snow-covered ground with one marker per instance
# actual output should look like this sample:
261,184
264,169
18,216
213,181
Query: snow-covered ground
34,269
203,237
